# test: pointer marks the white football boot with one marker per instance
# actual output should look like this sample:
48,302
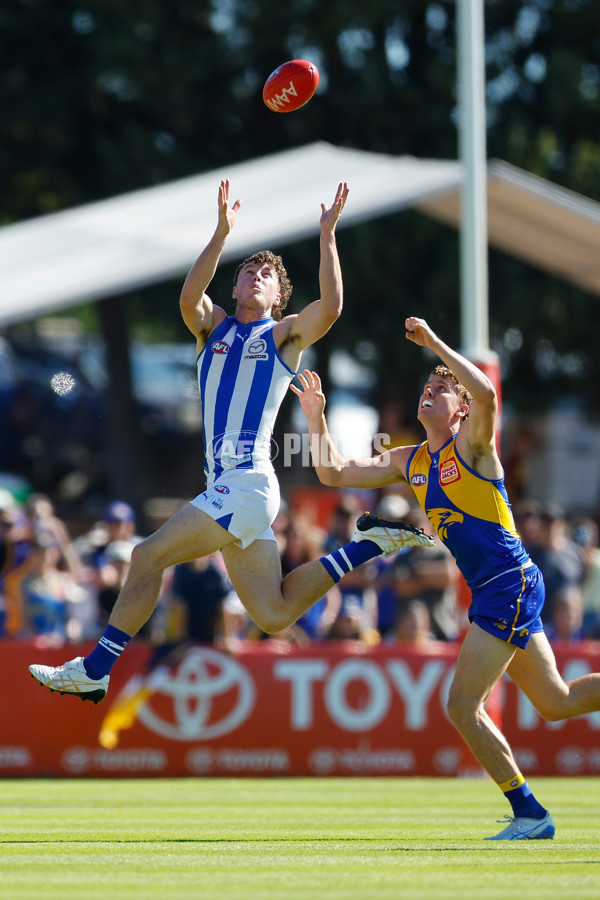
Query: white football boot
522,829
390,536
71,678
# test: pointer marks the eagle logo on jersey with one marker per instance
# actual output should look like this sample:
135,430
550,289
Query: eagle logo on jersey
442,519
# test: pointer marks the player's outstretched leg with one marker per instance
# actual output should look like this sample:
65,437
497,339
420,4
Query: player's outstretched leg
373,536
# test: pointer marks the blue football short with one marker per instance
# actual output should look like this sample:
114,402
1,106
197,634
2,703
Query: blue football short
510,606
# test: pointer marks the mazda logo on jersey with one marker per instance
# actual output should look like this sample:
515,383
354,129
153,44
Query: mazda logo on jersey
220,347
257,349
258,346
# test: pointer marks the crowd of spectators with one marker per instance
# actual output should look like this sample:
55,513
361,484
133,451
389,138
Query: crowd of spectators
54,588
567,551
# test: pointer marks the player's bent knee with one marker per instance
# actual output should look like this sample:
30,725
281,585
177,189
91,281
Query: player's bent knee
455,708
272,619
553,713
461,710
553,706
144,557
553,716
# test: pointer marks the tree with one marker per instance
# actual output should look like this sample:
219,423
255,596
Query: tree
105,97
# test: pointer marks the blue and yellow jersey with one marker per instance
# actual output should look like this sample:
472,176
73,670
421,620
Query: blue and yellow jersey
471,514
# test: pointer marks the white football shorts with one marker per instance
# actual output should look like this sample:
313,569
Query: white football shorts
245,502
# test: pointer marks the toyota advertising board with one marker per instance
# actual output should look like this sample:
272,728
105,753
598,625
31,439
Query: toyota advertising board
331,709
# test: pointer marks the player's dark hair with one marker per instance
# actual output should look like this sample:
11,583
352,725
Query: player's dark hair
266,257
463,394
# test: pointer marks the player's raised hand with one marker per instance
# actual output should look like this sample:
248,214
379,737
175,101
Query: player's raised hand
312,398
330,215
227,213
418,331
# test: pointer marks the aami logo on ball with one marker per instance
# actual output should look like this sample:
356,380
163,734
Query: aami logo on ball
220,347
280,101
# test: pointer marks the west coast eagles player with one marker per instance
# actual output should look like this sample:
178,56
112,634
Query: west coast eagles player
457,478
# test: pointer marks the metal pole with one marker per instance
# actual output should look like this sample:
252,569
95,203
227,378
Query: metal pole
472,151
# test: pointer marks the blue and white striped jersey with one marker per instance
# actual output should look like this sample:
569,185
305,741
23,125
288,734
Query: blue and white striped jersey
242,381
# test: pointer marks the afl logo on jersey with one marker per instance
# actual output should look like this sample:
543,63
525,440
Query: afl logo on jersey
418,480
220,347
221,488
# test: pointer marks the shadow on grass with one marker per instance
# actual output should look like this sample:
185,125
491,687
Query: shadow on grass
389,845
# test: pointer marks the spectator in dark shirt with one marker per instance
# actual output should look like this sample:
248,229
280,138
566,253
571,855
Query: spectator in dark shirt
558,557
199,589
564,624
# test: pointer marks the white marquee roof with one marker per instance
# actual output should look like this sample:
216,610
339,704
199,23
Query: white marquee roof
147,236
136,239
531,218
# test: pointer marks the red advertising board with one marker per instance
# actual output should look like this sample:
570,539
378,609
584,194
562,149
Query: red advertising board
331,709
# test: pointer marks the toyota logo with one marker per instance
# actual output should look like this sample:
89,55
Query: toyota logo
207,696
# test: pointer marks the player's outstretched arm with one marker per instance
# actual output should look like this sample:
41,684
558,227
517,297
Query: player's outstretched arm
331,467
484,409
196,307
316,319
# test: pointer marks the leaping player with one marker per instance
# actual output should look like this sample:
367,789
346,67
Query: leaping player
245,365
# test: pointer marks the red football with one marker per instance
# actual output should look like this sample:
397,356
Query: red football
291,85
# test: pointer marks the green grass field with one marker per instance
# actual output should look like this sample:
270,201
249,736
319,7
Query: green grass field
293,838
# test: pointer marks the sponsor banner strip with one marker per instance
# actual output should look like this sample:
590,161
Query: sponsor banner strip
331,709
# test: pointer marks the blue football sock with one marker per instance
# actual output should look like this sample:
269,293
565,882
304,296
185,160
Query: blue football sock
106,652
347,558
522,800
